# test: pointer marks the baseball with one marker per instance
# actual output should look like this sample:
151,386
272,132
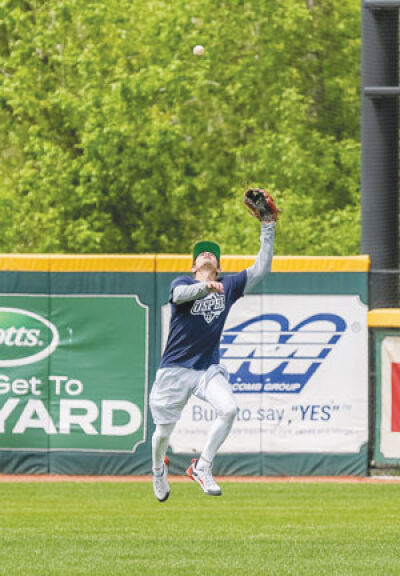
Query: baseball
199,50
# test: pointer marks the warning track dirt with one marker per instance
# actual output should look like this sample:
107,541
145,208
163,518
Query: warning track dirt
240,479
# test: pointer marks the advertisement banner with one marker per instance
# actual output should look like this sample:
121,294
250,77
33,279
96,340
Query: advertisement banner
73,372
299,371
390,398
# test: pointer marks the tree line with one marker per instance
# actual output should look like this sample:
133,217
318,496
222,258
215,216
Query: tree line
116,138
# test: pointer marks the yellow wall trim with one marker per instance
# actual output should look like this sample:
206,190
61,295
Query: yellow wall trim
24,262
183,263
73,263
172,263
384,318
321,263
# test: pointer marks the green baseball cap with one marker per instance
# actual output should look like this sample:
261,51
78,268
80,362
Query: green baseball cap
206,246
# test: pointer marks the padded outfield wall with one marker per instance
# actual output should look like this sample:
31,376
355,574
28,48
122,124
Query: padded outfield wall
385,398
80,343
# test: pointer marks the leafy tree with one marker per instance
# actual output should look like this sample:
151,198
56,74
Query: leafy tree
116,138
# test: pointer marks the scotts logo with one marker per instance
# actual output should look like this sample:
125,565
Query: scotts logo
25,337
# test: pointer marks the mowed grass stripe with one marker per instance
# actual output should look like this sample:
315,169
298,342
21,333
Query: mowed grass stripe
120,529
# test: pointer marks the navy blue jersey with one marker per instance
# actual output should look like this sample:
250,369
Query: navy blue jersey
196,326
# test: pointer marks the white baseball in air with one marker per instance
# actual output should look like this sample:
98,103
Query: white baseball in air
199,50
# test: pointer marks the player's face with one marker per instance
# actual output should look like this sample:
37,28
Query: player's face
208,261
206,258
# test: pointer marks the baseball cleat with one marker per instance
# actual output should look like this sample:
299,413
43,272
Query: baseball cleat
204,477
160,482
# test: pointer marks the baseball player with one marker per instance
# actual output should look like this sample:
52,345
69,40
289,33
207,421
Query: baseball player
191,361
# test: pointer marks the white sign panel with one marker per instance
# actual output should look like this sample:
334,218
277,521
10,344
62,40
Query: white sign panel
298,367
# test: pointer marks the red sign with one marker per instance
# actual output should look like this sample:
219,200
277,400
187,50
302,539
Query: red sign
395,397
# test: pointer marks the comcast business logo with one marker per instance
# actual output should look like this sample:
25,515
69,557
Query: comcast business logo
25,337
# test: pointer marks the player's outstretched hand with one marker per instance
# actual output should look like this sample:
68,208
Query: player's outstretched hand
215,287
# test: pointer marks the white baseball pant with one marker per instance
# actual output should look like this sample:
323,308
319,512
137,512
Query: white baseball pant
171,391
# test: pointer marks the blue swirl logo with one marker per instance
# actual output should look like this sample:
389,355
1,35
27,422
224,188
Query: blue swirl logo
266,354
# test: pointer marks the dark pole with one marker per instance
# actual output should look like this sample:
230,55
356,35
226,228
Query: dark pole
379,145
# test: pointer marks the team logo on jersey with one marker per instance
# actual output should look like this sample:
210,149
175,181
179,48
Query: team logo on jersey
209,307
266,354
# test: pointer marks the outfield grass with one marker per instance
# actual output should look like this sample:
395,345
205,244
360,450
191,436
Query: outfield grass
111,529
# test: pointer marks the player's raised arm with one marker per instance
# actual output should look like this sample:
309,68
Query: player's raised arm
262,207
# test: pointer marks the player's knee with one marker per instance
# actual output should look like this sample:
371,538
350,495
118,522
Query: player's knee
162,432
159,436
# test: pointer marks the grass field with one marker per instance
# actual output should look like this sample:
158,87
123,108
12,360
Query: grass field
112,529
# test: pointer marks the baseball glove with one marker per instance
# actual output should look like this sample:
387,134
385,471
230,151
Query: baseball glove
261,205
